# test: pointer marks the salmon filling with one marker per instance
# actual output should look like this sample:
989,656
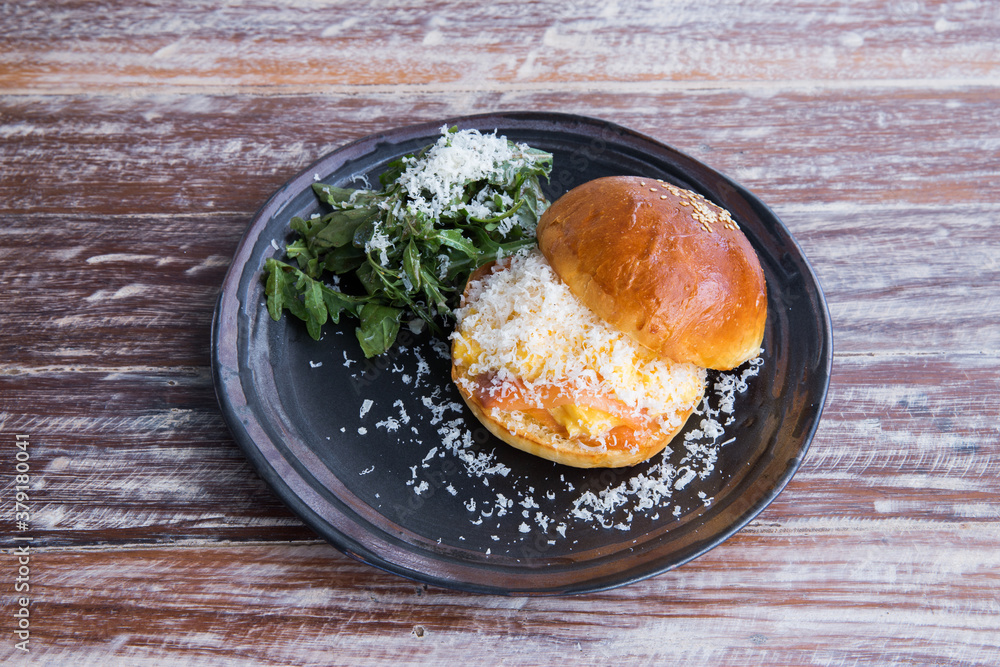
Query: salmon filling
580,414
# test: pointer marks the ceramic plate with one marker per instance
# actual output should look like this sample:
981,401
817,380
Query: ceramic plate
381,458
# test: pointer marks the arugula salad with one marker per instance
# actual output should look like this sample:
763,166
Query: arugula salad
403,253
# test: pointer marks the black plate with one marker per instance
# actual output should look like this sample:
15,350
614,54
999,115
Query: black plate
405,482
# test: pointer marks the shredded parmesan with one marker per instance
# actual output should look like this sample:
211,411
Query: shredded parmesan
434,182
524,324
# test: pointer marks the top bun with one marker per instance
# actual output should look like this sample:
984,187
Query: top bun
662,264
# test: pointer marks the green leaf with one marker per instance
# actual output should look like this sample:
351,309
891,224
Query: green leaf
344,259
298,248
432,290
454,239
364,232
315,308
330,194
411,264
337,302
274,288
300,225
369,279
503,216
458,270
378,329
393,171
305,257
483,241
340,227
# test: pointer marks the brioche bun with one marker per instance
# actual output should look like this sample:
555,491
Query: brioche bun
663,265
525,349
661,271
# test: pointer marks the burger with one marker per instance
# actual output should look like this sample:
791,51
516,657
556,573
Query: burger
593,349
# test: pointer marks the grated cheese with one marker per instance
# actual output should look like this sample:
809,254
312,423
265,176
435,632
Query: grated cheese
524,323
435,182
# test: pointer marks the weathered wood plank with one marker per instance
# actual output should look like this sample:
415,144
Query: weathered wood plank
126,155
112,290
499,44
132,456
777,596
905,279
143,455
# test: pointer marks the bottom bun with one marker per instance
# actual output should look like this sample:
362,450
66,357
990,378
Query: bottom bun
527,434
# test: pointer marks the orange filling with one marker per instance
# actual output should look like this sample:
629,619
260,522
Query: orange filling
511,396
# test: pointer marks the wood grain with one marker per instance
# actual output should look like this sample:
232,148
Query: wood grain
833,147
496,45
306,604
137,141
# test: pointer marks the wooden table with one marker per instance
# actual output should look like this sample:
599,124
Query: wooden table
137,141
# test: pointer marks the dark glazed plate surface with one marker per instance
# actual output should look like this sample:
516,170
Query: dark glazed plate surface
381,459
